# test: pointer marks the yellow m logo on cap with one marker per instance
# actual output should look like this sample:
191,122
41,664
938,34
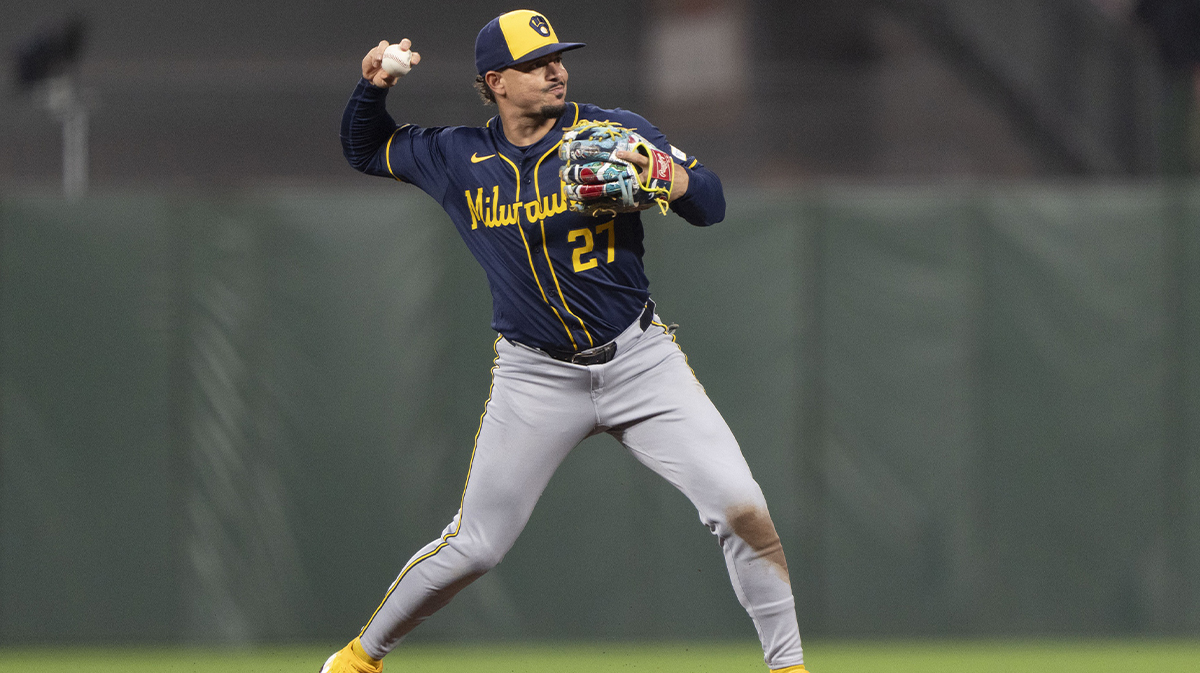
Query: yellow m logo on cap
525,30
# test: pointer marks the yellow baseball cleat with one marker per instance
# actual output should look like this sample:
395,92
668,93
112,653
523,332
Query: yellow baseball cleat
352,659
791,669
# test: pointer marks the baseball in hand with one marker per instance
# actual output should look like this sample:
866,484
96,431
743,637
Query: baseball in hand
396,61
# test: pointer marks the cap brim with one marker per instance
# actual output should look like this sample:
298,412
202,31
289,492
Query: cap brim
548,49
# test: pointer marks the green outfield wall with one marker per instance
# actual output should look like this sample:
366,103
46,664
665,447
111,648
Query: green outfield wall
973,410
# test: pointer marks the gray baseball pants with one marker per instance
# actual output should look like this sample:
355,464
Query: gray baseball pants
541,408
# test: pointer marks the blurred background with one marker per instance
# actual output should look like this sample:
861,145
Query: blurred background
953,317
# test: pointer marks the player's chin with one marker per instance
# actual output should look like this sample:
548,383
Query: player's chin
553,110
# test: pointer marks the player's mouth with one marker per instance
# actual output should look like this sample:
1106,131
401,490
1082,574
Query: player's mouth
556,89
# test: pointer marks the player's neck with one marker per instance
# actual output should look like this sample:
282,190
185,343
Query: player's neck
524,130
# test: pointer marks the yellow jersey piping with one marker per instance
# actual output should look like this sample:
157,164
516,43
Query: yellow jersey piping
462,502
529,254
537,190
515,170
387,152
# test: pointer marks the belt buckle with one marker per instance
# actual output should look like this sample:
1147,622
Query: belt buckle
595,356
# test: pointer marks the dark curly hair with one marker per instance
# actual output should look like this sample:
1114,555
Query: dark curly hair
484,91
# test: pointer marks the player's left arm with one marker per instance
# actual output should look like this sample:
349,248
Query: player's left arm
702,199
696,192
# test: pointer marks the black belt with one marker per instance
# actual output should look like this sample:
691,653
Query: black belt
601,354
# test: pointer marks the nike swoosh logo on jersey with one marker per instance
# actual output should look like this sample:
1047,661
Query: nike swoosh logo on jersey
475,158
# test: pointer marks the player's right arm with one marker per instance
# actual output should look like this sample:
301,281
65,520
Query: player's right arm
374,144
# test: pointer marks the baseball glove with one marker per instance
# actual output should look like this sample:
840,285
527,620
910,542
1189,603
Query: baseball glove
598,183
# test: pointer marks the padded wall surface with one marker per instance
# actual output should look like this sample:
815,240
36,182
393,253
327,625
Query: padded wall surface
972,410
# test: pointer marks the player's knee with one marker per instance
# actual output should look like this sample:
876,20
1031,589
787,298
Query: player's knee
734,492
752,524
488,560
483,557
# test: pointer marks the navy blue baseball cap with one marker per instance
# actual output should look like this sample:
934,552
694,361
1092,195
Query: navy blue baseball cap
514,38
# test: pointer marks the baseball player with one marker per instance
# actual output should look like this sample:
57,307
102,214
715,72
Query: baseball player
580,349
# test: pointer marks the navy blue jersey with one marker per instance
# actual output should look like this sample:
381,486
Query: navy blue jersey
560,280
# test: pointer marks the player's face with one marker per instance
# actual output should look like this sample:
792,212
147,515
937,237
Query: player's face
538,86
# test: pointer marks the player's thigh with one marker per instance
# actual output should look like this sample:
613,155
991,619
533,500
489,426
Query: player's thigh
672,426
531,422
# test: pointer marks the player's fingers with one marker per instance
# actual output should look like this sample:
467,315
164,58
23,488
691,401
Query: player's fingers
375,56
416,58
633,157
370,63
405,44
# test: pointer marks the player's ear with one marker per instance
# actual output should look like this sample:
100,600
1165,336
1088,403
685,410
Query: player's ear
495,82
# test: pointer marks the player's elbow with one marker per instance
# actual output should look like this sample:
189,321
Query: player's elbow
717,212
707,199
703,212
360,165
358,160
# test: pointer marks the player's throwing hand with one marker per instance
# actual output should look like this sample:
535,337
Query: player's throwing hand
372,65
